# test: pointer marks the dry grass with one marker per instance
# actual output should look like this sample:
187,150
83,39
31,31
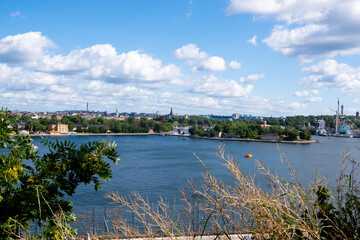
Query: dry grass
285,211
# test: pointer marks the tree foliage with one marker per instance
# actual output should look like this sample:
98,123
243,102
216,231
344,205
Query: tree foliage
33,187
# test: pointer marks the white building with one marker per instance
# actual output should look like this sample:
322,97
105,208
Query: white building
321,127
235,116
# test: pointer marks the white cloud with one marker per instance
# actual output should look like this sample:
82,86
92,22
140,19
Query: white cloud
290,11
17,14
252,40
103,62
331,74
310,28
96,62
356,100
214,87
212,64
252,78
24,49
307,93
299,42
193,55
314,99
235,65
190,51
19,79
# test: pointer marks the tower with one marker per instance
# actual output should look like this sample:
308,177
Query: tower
171,112
342,109
337,118
117,113
87,107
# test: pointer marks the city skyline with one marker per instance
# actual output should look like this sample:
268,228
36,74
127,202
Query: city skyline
261,58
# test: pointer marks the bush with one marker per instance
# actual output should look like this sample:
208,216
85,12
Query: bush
34,188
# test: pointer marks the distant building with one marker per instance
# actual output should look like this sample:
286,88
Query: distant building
357,114
24,132
59,127
235,116
264,124
321,127
171,112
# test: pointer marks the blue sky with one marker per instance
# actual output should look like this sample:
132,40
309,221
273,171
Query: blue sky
258,57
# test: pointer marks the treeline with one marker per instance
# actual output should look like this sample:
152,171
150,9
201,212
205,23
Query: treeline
239,129
130,125
95,125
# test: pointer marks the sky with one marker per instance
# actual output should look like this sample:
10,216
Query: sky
255,57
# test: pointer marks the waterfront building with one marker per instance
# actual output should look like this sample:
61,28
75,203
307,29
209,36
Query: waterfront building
321,127
59,127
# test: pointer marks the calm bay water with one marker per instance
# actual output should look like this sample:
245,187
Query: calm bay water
161,165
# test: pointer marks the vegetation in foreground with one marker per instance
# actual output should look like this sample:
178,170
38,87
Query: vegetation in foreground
32,188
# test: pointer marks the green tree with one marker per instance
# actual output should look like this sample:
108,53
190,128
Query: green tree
33,187
305,135
291,134
218,127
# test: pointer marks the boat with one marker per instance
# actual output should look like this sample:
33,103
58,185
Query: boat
249,155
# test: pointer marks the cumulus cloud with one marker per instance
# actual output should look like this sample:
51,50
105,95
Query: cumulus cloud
314,99
19,79
310,28
331,74
212,64
252,40
306,93
284,10
194,56
96,62
214,87
103,62
32,76
190,51
235,65
252,78
24,49
301,42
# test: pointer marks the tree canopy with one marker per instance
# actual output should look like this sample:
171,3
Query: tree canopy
33,187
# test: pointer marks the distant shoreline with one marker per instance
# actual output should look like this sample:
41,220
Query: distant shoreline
168,134
257,140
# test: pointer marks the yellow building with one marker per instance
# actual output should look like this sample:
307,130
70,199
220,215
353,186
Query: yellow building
59,127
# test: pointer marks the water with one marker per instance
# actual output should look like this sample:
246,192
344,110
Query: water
161,165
